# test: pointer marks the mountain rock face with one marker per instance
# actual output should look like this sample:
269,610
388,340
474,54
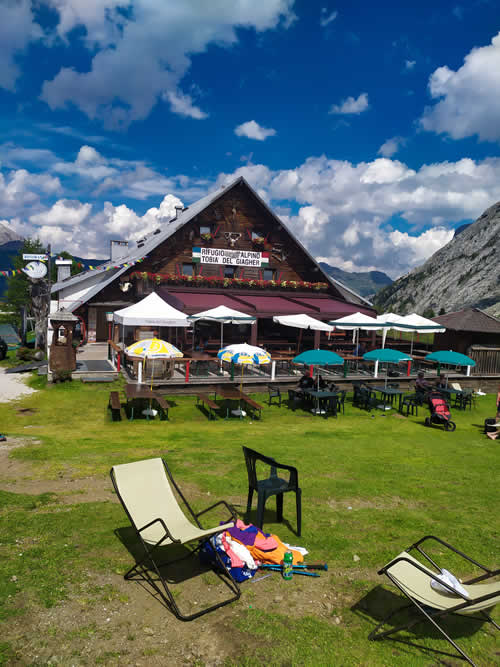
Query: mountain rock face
464,273
6,234
364,283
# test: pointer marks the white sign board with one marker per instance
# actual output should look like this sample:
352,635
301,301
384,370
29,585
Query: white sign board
230,257
35,258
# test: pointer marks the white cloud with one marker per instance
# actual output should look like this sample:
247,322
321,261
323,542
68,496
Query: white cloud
183,105
469,99
252,130
391,146
17,29
379,214
410,64
346,210
351,105
158,38
326,17
64,212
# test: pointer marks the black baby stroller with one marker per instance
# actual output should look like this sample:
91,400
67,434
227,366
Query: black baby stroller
440,412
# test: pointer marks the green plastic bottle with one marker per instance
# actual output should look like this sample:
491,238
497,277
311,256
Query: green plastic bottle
287,565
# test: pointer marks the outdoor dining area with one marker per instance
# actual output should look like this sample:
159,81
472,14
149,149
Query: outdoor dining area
150,344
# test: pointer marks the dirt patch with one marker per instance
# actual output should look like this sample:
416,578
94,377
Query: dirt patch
114,622
23,477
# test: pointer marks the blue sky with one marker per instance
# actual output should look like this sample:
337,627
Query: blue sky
371,128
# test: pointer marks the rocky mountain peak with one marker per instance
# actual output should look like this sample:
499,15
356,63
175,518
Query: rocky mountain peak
464,273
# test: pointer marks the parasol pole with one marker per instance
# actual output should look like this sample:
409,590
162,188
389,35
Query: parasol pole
221,328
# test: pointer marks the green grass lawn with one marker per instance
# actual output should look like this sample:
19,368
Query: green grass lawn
371,484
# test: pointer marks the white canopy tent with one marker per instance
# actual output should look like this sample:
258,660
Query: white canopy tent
224,315
152,310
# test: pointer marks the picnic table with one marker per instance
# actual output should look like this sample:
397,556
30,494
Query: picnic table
389,393
449,392
138,394
234,394
230,394
320,395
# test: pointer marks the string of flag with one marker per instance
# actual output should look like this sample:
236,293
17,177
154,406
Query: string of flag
6,273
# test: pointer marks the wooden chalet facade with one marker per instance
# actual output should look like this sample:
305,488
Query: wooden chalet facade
227,249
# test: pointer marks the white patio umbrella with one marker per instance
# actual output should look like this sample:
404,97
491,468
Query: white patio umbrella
302,322
355,323
387,321
417,324
224,315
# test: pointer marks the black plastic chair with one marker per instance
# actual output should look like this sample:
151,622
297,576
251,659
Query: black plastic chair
272,486
274,392
294,399
341,401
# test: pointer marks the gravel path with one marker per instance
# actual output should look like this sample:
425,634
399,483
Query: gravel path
13,386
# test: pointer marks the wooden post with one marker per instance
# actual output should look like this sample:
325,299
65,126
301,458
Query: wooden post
187,370
408,370
317,335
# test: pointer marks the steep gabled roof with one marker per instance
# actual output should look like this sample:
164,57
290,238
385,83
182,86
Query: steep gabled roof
470,319
144,246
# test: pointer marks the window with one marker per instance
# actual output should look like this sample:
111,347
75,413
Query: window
187,269
205,229
257,235
269,274
229,271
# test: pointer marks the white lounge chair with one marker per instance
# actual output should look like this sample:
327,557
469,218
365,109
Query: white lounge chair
145,491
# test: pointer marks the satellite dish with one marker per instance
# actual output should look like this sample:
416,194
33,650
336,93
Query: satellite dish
35,270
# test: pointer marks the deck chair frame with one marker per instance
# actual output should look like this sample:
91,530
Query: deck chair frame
430,613
140,571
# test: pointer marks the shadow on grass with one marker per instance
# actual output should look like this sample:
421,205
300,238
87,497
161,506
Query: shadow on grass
382,606
177,564
269,517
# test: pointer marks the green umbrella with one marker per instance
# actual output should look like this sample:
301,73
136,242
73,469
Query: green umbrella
386,355
452,358
319,358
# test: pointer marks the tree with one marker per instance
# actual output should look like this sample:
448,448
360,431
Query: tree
18,286
33,295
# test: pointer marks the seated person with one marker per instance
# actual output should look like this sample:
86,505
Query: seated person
359,350
322,383
422,386
491,434
442,382
306,382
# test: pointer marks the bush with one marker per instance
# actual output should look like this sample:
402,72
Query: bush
24,353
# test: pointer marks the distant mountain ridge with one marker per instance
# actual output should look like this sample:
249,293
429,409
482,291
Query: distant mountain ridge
365,283
7,235
463,274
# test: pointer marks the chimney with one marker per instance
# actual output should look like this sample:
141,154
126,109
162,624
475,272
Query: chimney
63,269
118,249
178,211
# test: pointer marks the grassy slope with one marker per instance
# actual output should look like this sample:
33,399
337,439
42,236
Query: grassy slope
400,479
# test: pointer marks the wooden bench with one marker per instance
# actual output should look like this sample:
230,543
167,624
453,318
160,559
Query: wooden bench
115,406
253,404
163,406
208,403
